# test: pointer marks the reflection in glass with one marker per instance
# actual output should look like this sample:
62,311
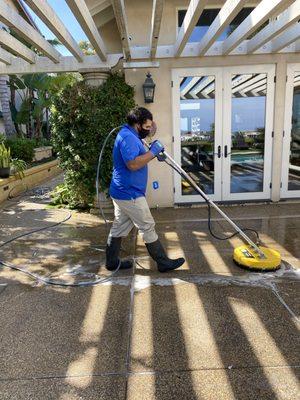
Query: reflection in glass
294,161
247,132
197,126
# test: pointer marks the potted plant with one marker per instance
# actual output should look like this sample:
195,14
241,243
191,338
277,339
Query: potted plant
6,163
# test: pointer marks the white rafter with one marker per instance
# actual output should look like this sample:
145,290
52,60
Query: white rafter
46,13
274,28
16,47
189,86
286,38
255,85
246,84
66,64
5,57
227,13
262,12
238,80
13,20
201,85
190,20
83,16
260,88
121,19
157,11
99,7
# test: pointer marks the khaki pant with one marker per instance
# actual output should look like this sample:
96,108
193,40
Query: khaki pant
130,213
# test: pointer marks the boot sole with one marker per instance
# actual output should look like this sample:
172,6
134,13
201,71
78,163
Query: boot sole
127,266
180,263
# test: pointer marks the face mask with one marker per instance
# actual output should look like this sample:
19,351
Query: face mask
143,133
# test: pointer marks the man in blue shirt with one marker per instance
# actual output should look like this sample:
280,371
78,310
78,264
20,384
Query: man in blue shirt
128,189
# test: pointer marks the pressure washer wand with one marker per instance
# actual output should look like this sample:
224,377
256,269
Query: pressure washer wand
189,179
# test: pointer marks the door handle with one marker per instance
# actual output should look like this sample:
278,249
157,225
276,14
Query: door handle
225,151
219,151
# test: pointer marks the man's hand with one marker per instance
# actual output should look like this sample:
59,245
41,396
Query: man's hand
161,157
156,147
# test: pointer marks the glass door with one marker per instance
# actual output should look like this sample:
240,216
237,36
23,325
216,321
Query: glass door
197,113
291,140
247,132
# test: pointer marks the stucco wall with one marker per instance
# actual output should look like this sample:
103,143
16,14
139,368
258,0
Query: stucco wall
162,111
139,13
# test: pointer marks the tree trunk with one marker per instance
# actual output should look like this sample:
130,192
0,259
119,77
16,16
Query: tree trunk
4,99
13,103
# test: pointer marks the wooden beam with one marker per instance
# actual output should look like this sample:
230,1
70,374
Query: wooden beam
5,57
255,85
157,11
262,12
83,16
13,20
141,64
46,13
246,84
121,19
104,17
239,80
190,20
227,13
286,38
201,85
16,47
260,88
66,64
94,10
189,85
274,28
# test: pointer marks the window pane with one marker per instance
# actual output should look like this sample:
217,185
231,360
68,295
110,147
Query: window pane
248,132
294,162
197,116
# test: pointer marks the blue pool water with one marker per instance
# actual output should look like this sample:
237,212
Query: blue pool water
249,158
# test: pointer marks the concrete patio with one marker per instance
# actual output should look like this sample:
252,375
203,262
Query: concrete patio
209,330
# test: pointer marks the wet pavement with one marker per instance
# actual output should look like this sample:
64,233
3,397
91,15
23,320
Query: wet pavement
209,330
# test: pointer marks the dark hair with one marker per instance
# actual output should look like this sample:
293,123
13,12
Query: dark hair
139,115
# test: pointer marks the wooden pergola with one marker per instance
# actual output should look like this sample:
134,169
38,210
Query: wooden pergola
281,34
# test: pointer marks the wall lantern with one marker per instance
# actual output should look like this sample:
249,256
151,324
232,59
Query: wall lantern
148,89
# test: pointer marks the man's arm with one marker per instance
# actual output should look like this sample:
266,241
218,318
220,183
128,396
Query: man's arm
140,161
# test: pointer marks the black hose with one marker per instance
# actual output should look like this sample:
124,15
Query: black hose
51,281
98,280
98,174
209,222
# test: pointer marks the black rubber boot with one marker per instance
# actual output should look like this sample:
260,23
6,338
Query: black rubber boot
112,255
164,264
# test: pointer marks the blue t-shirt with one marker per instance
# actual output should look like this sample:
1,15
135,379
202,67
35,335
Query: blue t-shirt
126,184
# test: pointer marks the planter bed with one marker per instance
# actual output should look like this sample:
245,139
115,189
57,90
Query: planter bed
42,152
33,176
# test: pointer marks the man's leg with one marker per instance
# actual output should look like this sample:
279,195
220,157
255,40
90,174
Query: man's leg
121,227
140,214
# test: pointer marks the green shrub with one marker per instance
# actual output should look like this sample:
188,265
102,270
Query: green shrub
21,148
39,142
81,118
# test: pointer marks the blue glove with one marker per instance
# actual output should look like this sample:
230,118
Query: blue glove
156,147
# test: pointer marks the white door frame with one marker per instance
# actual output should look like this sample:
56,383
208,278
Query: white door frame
289,94
269,70
223,130
177,74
